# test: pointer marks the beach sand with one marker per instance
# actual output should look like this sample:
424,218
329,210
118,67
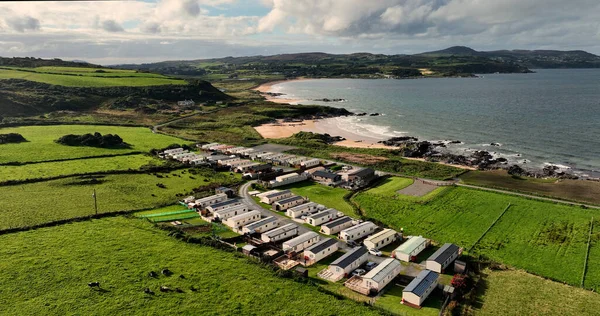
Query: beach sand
267,87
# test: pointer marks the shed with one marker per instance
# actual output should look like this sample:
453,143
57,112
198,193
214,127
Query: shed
262,225
248,249
283,232
301,242
322,217
442,258
347,263
460,266
356,232
409,250
419,289
381,239
292,201
320,250
337,225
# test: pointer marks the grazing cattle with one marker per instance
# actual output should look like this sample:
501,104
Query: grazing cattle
94,284
181,276
178,290
164,289
152,274
148,291
167,272
193,289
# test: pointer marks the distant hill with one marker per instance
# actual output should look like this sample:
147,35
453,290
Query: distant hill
32,62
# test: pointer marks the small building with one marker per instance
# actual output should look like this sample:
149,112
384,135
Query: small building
376,279
186,103
229,192
310,163
207,146
236,222
356,232
246,167
241,163
260,168
263,194
336,226
173,151
276,196
304,209
442,258
347,263
261,226
301,242
228,212
188,199
409,250
381,239
322,217
249,250
277,234
285,204
460,266
417,291
228,160
288,179
326,177
359,175
223,205
209,200
320,250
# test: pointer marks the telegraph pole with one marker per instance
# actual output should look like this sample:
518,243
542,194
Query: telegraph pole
95,202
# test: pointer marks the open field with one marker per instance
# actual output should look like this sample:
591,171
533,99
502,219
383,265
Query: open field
46,271
87,79
328,196
592,278
37,203
41,145
390,186
572,190
544,238
519,293
80,166
391,301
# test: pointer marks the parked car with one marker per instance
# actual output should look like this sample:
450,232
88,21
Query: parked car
370,265
375,252
358,272
352,243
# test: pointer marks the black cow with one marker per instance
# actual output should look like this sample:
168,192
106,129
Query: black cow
94,284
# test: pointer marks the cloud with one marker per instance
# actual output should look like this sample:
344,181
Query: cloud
151,27
23,23
111,26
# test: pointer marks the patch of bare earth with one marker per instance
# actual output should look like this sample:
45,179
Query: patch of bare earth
418,188
359,158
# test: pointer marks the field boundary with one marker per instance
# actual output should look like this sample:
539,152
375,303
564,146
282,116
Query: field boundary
587,253
16,163
489,228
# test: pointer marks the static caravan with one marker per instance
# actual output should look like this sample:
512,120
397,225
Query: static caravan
261,226
263,194
301,242
246,167
288,179
236,222
223,205
322,217
347,263
173,151
207,146
292,201
183,155
409,250
304,209
235,150
277,234
320,250
204,202
381,275
356,232
229,212
228,160
381,239
310,163
276,196
442,258
216,158
240,163
326,177
336,226
417,291
189,199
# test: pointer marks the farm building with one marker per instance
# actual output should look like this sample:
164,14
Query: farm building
301,242
284,204
288,179
322,217
347,263
337,225
419,289
304,209
236,222
409,250
442,258
364,175
275,196
204,202
326,177
223,205
228,212
320,250
381,239
261,226
310,163
356,232
376,279
283,232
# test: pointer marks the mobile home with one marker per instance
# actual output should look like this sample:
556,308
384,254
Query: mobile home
292,201
261,226
223,205
376,279
320,250
236,222
322,217
277,234
409,250
204,202
301,242
381,239
442,258
417,291
310,163
356,232
337,225
347,263
229,212
304,209
276,196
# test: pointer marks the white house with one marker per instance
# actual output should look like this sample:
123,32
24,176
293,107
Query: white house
337,225
442,258
409,250
283,232
301,242
304,209
310,163
223,205
229,212
322,217
261,226
276,196
356,232
292,201
381,239
347,263
236,222
376,279
204,202
419,289
320,250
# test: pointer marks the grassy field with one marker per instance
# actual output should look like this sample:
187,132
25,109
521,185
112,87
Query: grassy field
390,186
519,293
541,237
572,190
46,271
59,76
592,279
390,301
60,168
36,203
41,145
328,196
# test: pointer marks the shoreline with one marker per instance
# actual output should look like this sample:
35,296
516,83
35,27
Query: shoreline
266,87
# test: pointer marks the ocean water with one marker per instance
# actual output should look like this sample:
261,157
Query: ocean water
548,117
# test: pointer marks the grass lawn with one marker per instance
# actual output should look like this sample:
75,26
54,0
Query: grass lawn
41,145
390,186
592,278
328,196
392,298
36,203
46,271
520,293
59,168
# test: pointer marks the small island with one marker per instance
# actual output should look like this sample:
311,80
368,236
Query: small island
11,138
93,140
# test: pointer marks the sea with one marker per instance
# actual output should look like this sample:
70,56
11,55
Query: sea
550,117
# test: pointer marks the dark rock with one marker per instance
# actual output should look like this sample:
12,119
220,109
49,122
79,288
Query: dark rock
374,114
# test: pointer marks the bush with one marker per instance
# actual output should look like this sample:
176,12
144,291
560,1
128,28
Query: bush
95,140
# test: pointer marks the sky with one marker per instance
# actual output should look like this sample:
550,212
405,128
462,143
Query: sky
115,32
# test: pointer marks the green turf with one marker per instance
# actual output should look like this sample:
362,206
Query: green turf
60,168
46,271
390,186
36,203
41,144
328,196
392,298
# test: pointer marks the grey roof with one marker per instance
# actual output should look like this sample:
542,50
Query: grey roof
216,157
261,222
386,267
281,230
442,254
322,245
224,203
323,213
337,222
325,174
350,256
421,282
290,199
363,172
275,194
261,167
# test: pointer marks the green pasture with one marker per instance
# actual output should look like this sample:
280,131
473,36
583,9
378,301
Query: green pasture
390,186
328,196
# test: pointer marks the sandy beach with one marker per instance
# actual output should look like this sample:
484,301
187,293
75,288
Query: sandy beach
267,87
